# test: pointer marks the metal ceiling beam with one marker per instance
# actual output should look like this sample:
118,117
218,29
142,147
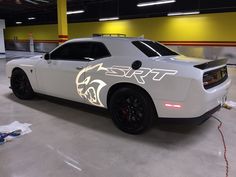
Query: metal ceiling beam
46,12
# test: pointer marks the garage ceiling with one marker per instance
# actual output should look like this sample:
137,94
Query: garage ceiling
45,11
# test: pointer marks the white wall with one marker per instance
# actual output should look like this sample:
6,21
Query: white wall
2,45
209,52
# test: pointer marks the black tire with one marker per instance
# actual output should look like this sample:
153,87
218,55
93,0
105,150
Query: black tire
132,110
20,85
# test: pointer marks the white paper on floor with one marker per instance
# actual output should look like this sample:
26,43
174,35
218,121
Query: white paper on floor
24,127
231,104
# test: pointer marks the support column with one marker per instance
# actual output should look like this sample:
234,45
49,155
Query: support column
2,44
62,21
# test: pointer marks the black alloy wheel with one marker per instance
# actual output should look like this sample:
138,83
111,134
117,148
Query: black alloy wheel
132,110
20,85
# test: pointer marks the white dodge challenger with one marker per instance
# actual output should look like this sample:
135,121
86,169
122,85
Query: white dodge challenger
135,78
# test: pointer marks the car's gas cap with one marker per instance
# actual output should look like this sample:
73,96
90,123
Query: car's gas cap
136,64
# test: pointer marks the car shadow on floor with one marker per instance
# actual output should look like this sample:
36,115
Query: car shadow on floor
162,134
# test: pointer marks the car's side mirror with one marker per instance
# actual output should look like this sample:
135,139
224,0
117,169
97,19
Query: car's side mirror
47,56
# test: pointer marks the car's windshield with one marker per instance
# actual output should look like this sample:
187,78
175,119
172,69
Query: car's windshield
153,49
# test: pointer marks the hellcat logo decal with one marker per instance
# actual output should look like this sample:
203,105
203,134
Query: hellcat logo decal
90,89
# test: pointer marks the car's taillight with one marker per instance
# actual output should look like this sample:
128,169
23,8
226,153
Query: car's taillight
215,77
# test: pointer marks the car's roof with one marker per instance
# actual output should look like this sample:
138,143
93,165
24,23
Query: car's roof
103,38
118,46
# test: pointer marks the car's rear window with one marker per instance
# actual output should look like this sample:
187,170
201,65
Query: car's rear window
153,49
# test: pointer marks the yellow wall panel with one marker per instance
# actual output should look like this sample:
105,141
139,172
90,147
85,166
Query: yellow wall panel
39,32
205,27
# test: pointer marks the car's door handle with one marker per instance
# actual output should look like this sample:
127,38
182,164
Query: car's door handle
79,68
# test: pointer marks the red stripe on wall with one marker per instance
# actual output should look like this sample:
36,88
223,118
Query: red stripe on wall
200,43
63,36
46,41
36,41
61,41
173,43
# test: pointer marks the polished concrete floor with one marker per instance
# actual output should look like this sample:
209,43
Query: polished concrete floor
74,140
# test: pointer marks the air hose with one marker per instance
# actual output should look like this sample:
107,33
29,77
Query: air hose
225,147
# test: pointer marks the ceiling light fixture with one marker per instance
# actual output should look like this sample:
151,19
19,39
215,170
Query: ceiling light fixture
31,18
153,3
108,19
36,2
45,1
75,12
32,2
18,23
183,13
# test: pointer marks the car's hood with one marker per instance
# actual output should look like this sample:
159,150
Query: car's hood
34,57
180,59
25,61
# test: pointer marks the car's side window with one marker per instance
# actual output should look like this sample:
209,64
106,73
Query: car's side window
73,51
60,52
83,51
99,51
153,49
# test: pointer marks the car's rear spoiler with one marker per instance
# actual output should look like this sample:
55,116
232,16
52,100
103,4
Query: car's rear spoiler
212,64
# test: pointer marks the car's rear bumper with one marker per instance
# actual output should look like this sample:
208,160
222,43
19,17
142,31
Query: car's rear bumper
193,120
198,101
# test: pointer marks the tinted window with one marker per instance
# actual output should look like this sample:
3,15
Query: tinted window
153,49
81,51
72,51
99,51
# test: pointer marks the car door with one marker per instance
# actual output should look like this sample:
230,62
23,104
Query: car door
92,85
57,75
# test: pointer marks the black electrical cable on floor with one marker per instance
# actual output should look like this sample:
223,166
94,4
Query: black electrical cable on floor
225,147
